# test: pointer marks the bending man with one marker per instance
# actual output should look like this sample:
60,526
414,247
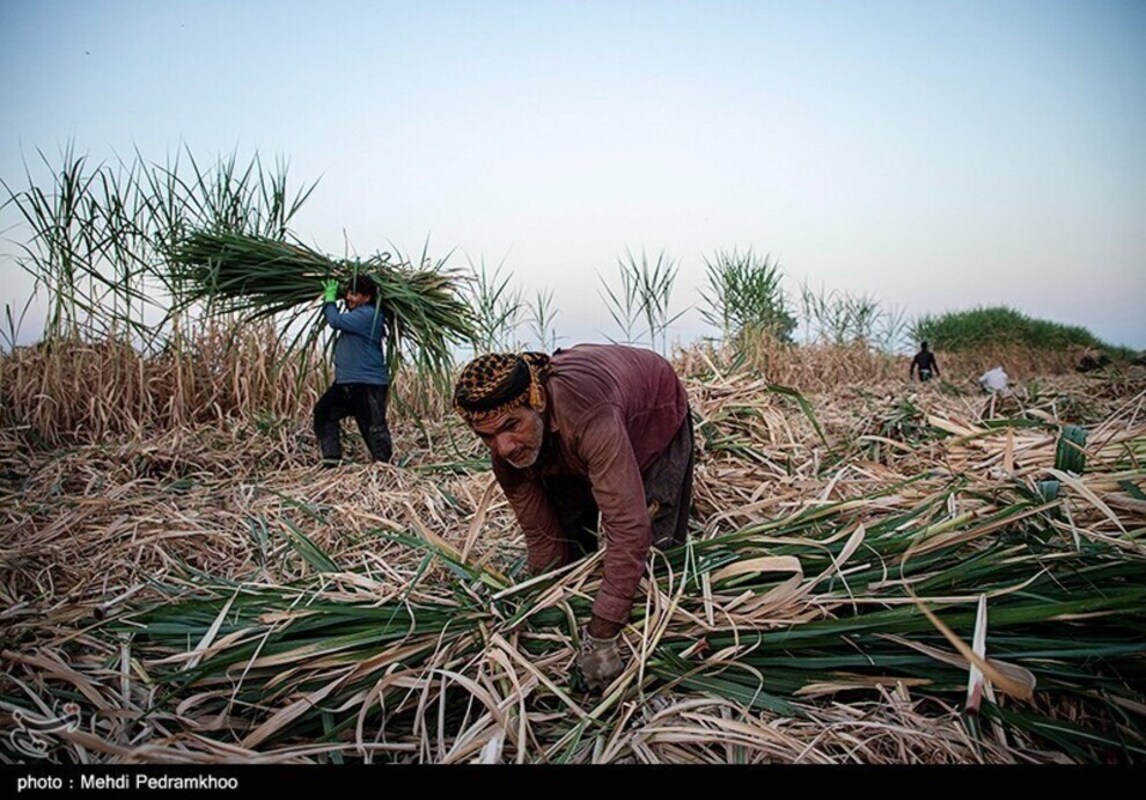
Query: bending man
595,433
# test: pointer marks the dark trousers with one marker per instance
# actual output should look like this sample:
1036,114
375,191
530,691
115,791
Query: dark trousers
367,404
668,495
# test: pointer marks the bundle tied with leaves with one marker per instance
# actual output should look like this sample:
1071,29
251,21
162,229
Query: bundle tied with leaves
258,277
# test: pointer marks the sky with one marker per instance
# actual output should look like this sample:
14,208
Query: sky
936,156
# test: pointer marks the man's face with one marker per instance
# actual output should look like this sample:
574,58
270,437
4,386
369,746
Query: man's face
514,436
355,299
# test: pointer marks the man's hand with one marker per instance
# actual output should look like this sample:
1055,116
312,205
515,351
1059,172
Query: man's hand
330,290
599,659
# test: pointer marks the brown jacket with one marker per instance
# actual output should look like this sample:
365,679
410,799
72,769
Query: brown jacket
611,411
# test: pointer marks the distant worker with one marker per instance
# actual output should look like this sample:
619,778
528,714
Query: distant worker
994,380
592,436
361,379
925,361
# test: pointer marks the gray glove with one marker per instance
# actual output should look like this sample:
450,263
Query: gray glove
599,659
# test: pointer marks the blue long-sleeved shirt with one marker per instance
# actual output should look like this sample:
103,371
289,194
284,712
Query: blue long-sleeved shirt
358,355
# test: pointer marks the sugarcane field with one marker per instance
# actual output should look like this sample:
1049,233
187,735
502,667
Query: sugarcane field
878,570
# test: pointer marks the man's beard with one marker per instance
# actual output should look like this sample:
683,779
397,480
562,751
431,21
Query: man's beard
528,457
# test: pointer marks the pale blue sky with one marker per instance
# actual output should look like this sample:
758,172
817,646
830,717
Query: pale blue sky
935,155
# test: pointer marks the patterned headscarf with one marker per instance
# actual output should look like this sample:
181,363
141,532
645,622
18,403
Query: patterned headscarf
495,383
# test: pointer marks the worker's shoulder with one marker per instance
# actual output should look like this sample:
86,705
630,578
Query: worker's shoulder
597,353
368,311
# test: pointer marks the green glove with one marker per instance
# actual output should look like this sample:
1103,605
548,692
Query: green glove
330,290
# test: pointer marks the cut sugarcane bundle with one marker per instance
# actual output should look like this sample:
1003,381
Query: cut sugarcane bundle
258,277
